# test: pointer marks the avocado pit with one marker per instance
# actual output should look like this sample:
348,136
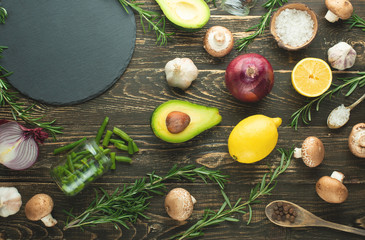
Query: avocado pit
176,122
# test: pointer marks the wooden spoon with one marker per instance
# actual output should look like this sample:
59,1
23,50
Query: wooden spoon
306,219
334,125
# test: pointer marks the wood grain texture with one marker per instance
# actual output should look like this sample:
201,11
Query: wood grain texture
130,103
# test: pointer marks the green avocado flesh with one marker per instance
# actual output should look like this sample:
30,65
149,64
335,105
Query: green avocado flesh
186,14
201,119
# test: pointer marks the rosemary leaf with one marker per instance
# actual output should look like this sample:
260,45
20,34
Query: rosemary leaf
259,29
356,21
305,112
129,203
155,21
211,217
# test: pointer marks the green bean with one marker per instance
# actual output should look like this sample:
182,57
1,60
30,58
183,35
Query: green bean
135,148
116,141
69,163
112,158
123,159
130,147
106,139
122,134
121,146
68,146
101,130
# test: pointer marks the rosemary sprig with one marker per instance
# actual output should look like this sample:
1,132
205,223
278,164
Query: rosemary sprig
128,203
18,109
356,21
259,28
3,14
304,112
155,20
266,185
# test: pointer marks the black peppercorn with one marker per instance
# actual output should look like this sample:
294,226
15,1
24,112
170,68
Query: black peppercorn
284,212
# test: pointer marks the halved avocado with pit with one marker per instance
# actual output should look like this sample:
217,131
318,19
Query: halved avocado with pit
189,15
201,118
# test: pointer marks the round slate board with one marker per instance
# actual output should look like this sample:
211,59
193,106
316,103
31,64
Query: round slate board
66,52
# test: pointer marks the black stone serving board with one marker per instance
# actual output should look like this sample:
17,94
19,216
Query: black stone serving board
65,52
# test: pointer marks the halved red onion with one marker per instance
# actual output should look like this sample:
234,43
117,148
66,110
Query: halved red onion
19,145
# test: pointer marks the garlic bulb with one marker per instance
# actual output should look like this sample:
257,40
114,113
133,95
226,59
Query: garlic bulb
10,201
341,56
180,72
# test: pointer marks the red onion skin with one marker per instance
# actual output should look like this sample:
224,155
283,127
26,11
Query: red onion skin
32,136
249,77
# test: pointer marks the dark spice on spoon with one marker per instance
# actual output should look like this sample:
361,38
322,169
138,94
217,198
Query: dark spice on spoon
284,212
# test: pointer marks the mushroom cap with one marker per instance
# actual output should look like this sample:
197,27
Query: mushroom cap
357,140
312,151
179,204
218,41
39,206
331,190
341,8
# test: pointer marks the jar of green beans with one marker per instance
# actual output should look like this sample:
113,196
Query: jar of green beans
81,166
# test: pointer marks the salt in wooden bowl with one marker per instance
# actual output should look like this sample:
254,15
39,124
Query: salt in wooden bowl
297,6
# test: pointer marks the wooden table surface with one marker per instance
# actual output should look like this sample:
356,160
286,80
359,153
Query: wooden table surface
131,101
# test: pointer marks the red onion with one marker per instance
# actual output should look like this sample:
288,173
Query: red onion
19,145
249,77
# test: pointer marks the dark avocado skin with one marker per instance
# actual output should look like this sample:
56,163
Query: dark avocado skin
202,118
194,25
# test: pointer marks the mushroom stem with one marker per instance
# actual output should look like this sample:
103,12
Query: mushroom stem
297,152
49,221
331,17
338,175
193,199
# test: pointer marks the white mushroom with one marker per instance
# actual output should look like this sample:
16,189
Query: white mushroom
311,152
10,201
39,207
218,41
341,56
331,189
180,72
179,204
338,9
357,140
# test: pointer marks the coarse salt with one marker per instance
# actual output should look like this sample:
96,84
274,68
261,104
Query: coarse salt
339,116
294,27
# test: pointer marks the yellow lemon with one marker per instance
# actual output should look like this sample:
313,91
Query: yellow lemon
253,138
311,77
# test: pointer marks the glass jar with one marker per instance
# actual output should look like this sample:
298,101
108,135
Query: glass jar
81,166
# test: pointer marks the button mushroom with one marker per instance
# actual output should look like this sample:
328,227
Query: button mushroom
180,72
218,41
357,140
338,9
10,201
179,204
39,207
311,152
331,189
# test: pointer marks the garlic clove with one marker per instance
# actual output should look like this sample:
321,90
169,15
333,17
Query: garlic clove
10,201
341,56
180,72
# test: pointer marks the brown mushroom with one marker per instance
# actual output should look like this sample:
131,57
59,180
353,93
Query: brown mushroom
331,189
179,204
338,9
218,41
39,207
312,152
357,140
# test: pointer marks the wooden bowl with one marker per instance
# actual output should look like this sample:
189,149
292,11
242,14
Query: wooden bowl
298,6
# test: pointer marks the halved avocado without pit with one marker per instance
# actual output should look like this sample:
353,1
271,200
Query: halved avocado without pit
189,15
200,117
